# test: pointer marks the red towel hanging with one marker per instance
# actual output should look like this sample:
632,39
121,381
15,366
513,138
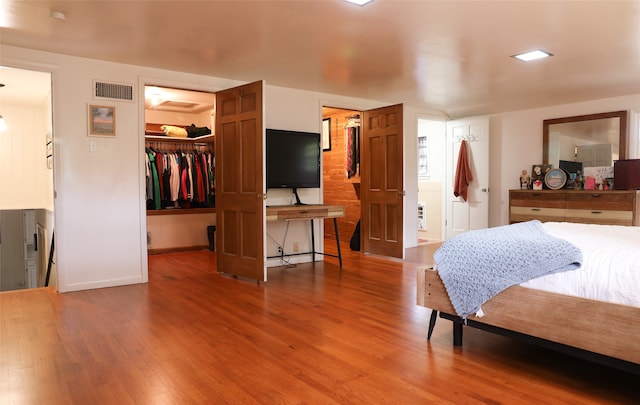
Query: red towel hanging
463,173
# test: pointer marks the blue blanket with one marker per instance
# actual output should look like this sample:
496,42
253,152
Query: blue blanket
476,265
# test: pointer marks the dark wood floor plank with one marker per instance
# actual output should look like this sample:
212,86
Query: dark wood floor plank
312,334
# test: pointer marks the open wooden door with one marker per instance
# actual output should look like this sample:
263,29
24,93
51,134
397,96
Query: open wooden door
239,182
382,190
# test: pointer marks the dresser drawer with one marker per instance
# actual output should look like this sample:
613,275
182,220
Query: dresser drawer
536,199
597,216
544,214
610,200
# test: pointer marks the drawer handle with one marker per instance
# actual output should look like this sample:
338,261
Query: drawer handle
535,194
596,212
595,195
535,209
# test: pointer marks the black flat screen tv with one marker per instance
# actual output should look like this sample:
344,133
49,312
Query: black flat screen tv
293,159
570,167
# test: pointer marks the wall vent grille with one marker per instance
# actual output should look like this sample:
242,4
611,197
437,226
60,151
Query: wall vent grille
422,216
112,91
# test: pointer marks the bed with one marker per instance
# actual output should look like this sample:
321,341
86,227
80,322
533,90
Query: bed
591,312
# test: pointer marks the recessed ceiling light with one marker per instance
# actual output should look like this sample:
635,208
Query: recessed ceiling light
359,2
58,16
532,55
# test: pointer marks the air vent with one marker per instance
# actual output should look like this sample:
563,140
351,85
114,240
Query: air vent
112,91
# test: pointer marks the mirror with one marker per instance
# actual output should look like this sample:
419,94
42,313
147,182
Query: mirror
595,139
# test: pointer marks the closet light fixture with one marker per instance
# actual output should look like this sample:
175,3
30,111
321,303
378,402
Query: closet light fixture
155,99
153,95
532,55
359,2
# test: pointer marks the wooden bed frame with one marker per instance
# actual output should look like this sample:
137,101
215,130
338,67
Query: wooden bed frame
598,331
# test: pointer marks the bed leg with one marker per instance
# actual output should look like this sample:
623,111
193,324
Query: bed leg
457,333
432,323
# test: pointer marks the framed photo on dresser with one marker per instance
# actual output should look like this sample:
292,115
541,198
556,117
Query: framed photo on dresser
538,173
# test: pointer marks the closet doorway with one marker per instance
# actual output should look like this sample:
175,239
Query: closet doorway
179,140
373,161
341,171
26,179
233,186
431,179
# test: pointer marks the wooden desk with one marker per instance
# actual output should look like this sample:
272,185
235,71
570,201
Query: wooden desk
308,212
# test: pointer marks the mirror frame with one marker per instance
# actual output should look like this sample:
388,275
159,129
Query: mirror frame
622,153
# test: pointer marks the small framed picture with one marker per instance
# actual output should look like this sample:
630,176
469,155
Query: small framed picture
539,171
326,134
555,179
102,120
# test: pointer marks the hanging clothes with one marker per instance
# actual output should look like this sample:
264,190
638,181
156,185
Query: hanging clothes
174,178
463,173
352,135
154,178
179,179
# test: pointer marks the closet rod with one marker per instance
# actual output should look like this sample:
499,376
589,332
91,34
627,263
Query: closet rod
177,145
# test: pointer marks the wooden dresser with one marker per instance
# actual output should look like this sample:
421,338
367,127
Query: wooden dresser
615,207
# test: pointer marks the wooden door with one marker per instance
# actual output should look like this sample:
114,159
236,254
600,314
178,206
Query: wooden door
462,216
239,182
382,190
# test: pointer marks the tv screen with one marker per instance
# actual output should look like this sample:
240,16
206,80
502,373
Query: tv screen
293,159
570,167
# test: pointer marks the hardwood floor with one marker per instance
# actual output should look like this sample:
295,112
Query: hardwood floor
311,335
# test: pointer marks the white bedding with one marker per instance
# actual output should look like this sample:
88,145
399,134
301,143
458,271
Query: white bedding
611,265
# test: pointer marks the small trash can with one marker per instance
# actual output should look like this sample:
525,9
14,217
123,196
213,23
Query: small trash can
211,234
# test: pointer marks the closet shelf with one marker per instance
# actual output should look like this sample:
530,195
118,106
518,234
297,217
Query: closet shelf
157,138
181,211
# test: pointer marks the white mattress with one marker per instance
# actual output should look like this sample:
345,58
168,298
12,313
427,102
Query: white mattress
611,263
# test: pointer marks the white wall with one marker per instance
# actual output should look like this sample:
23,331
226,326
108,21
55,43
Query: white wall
25,180
100,209
178,231
202,119
516,144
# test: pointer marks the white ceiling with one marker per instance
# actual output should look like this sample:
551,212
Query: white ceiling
452,56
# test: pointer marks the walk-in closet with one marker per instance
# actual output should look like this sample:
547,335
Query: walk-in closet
341,168
180,169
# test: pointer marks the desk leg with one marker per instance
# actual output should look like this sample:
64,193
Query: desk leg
335,227
313,243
